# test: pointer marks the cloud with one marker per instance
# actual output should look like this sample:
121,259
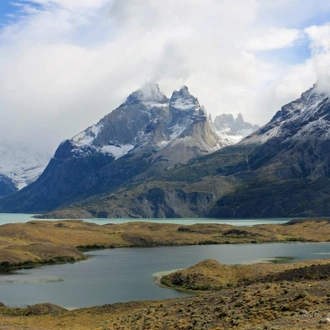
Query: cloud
320,47
274,39
67,63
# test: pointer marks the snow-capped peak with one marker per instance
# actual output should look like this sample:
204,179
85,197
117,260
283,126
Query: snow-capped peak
183,100
306,116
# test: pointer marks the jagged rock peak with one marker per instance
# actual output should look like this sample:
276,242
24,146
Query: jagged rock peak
239,119
183,100
226,124
149,92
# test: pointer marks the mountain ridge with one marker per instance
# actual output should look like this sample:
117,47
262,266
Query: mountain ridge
279,171
178,167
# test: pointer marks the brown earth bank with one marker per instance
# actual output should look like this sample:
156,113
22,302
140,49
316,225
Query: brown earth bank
39,242
259,296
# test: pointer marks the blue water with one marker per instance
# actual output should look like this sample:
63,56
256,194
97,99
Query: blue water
121,275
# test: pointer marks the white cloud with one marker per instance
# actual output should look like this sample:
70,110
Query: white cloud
67,63
320,46
320,38
274,39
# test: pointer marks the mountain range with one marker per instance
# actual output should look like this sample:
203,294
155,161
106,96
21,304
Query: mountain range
143,137
160,157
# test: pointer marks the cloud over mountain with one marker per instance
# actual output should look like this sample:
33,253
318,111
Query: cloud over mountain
65,63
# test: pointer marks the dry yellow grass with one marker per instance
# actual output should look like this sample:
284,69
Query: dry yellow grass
210,275
44,240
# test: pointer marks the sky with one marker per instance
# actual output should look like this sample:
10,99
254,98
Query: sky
67,63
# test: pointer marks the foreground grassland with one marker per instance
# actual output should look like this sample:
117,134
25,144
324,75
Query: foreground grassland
260,296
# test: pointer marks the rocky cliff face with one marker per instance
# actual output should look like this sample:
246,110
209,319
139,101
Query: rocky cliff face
144,136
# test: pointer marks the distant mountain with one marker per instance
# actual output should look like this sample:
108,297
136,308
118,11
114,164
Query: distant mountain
281,170
232,130
22,164
7,186
145,136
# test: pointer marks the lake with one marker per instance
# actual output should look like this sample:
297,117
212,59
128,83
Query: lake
127,274
21,217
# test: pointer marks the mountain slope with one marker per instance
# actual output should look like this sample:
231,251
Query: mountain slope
22,164
282,170
7,186
143,137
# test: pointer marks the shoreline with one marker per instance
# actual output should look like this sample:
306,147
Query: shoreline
276,303
35,243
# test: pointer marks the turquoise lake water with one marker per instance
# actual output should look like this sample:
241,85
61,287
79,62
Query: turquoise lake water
121,275
19,217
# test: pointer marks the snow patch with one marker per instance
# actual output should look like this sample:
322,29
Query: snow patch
176,131
262,138
185,104
152,104
87,137
319,124
117,150
227,139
